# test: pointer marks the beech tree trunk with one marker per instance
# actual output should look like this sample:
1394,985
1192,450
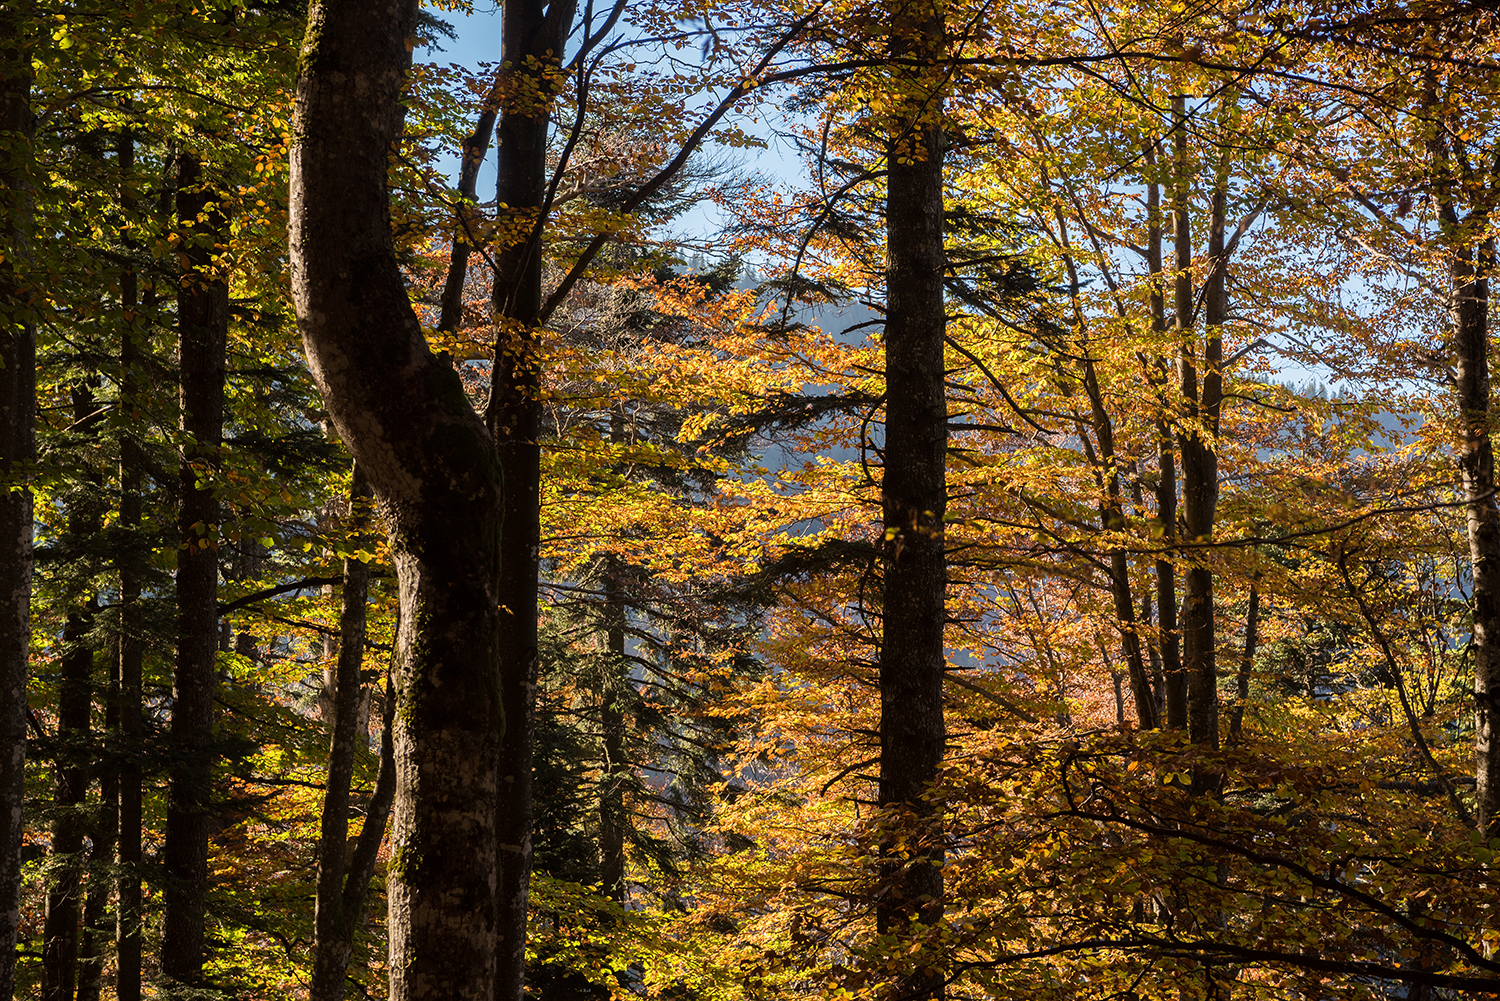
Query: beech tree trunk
1174,685
476,145
203,325
17,449
1112,517
431,461
533,34
1476,461
1197,432
343,879
914,499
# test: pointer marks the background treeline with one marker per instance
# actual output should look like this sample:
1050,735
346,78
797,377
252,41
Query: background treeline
1036,636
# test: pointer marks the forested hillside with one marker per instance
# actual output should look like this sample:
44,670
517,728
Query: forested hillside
420,588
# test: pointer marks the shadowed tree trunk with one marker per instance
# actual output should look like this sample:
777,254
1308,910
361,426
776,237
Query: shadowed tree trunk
104,833
1247,663
203,324
17,449
1174,685
1200,382
71,772
533,33
612,816
914,498
404,414
70,787
1476,461
614,767
1471,257
132,648
344,879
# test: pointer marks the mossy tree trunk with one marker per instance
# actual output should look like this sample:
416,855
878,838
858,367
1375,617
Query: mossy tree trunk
431,461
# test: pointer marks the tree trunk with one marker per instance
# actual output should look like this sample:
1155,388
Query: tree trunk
1195,441
203,323
533,33
914,499
1476,461
129,562
1174,685
101,855
612,816
1247,662
333,928
404,414
70,788
1112,517
476,145
17,451
61,932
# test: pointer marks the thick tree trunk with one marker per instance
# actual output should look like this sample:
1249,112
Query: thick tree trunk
914,499
132,647
17,450
404,414
1476,461
533,34
333,927
203,324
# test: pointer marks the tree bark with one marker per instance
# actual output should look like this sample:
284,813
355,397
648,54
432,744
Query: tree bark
61,935
1112,517
17,451
339,901
404,414
476,145
914,499
1476,462
104,833
1247,662
1468,317
1197,432
533,33
1174,685
132,649
70,788
203,325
